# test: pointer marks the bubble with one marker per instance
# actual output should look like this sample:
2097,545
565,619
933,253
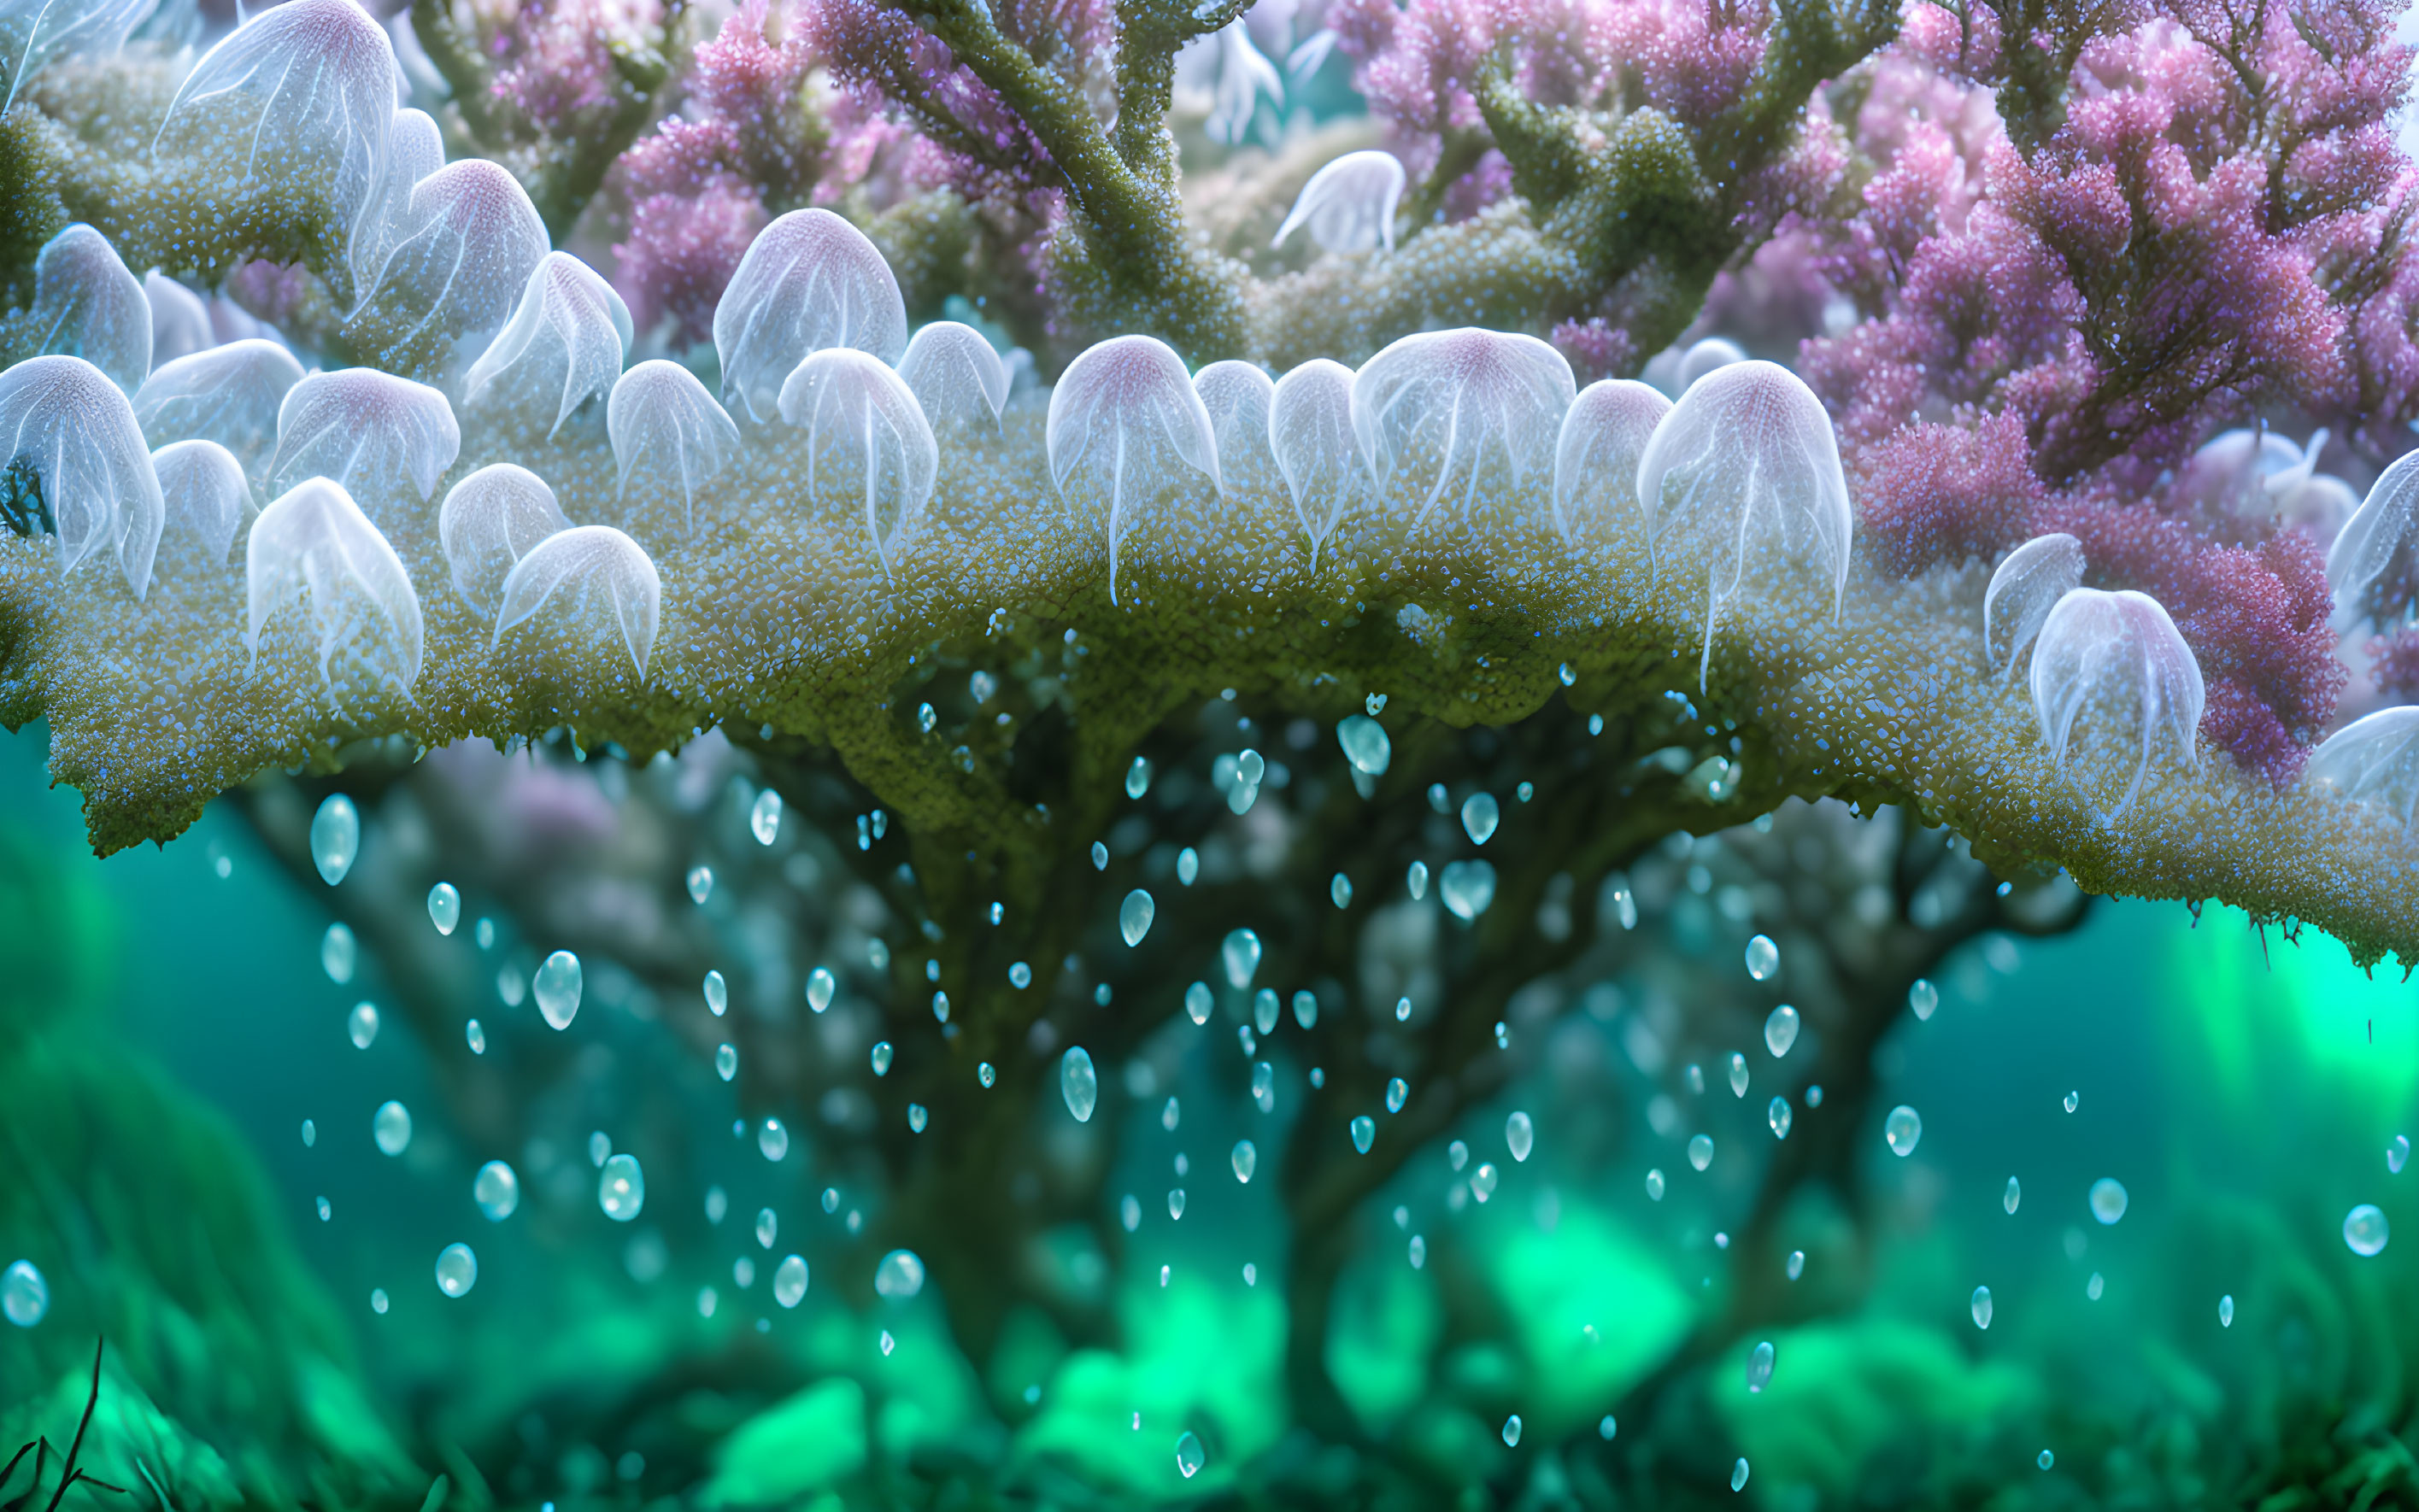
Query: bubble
444,907
1482,1182
1923,998
1778,1114
1655,1186
1135,916
1903,1128
2226,1312
25,1296
2108,1199
1188,867
622,1188
926,718
1457,1154
391,1127
986,1073
1264,1011
1417,880
2013,1195
2092,1287
717,1202
764,819
1797,1266
1701,1151
772,1140
1759,1366
1243,1158
336,837
1020,976
1365,744
1078,1083
2046,1460
1738,1475
1512,1431
1606,1427
1100,857
900,1275
718,994
726,1060
2398,1153
881,1057
768,1228
1240,954
556,986
821,985
496,1191
1467,888
1364,1132
338,954
1762,959
600,1148
1982,1307
1264,1086
1419,1252
475,1036
1402,1010
1398,1091
1480,813
2365,1230
1339,891
1739,1074
326,1212
700,884
1189,1456
1519,1136
378,1300
457,1270
1175,1201
362,1024
310,1133
790,1280
2073,1101
1780,1031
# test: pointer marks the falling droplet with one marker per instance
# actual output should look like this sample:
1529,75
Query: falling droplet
1982,1307
326,1212
1078,1083
310,1133
1701,1151
1305,1010
700,884
1482,1182
726,1060
926,718
1198,1001
336,837
790,1280
718,994
900,1275
391,1127
457,1270
1457,1154
1467,888
1569,678
986,1073
2073,1101
1176,1202
1903,1128
768,1228
1739,1074
496,1191
25,1296
1759,1366
1339,891
1243,1159
1100,857
1264,1086
1398,1091
1780,1031
1512,1431
1923,998
764,819
2015,1195
2365,1230
1762,959
1417,879
2092,1287
1779,1115
1188,867
362,1024
1419,1251
444,907
1480,813
2226,1312
557,987
2398,1153
622,1188
773,1140
1240,951
1264,1012
1135,916
1655,1186
1797,1266
881,1056
1606,1427
1189,1455
338,954
2046,1460
1020,976
1168,1116
2108,1199
1138,777
1365,744
1738,1475
1364,1132
378,1300
1625,905
821,985
1519,1136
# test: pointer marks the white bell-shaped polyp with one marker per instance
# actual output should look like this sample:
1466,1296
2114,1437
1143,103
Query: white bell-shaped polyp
1349,204
1237,395
370,431
35,33
860,415
203,492
2116,664
65,419
1705,356
956,374
1126,416
1741,484
660,416
1310,432
1596,457
2376,542
2376,760
468,243
315,542
181,322
1457,404
565,343
2024,589
415,148
301,100
87,305
809,280
489,522
229,394
595,576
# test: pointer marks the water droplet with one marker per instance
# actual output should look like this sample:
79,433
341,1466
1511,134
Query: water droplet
1903,1129
1402,1010
1701,1151
1519,1136
362,1024
1364,1132
391,1127
1078,1083
718,994
1467,887
764,819
1339,891
1738,1475
1780,1031
1695,1077
2108,1199
1135,916
1480,813
900,1275
1739,1074
496,1191
556,986
1796,1263
1397,1091
821,985
2365,1230
1482,1182
25,1296
2226,1312
457,1270
622,1188
1923,998
2046,1460
790,1280
1625,904
2073,1101
1100,857
310,1133
1512,1431
336,837
1138,777
444,907
986,1073
1655,1186
1243,1159
1176,1202
1419,1251
2398,1153
1759,1366
926,718
1778,1114
1264,1083
1188,867
378,1300
1569,678
773,1140
1606,1427
1240,951
1982,1307
700,884
338,954
1264,1012
1762,959
1365,743
2094,1287
1020,976
2015,1194
1198,1001
726,1060
1305,1010
1189,1456
1457,1154
326,1212
476,1037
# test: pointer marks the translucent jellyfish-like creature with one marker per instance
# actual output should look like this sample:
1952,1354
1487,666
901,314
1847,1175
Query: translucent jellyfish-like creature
1310,429
1125,413
1741,481
661,416
415,148
203,492
564,345
860,415
2024,589
371,432
1596,457
1455,401
489,522
2375,759
955,374
2119,659
229,394
809,280
315,541
1349,204
1237,395
35,33
2371,566
181,322
87,305
467,246
594,575
300,99
66,424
